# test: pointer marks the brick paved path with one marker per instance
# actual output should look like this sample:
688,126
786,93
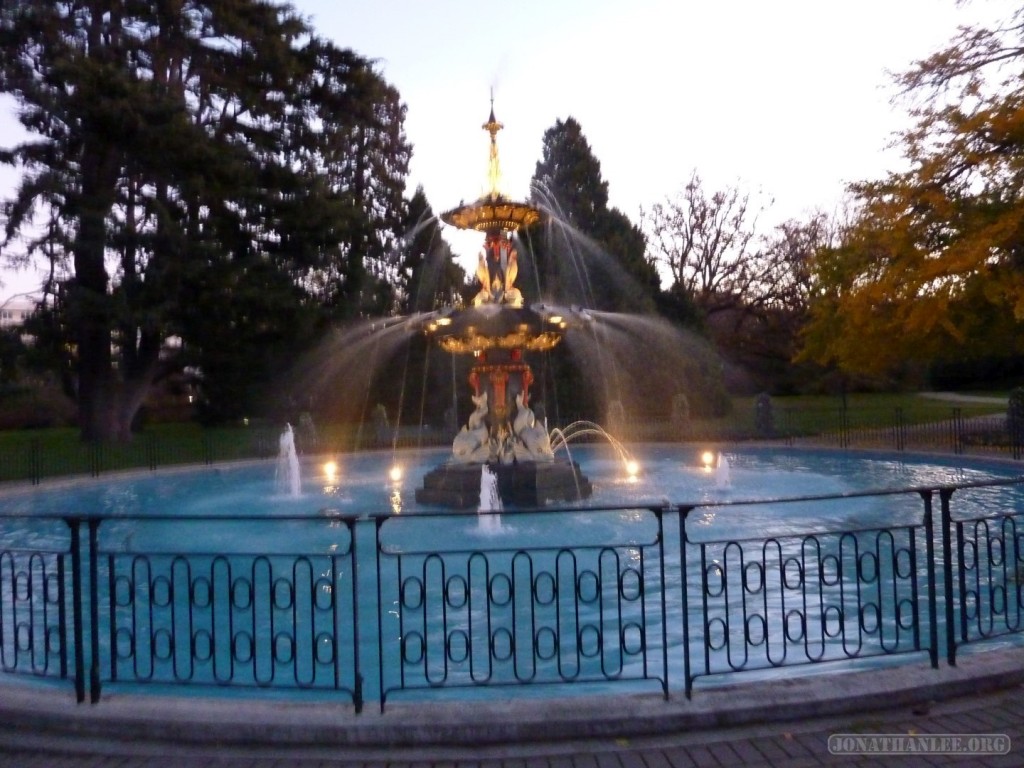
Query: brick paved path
793,745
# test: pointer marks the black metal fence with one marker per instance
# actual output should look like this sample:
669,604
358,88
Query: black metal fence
806,598
363,608
840,427
37,460
893,430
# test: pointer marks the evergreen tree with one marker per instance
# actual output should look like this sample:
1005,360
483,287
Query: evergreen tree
363,155
196,161
594,255
429,277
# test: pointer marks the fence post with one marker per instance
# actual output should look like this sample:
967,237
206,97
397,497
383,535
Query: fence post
35,460
1015,420
357,682
74,524
933,613
844,427
947,573
377,523
94,614
899,429
957,427
95,458
684,581
660,514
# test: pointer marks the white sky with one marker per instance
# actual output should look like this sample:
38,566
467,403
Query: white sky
786,98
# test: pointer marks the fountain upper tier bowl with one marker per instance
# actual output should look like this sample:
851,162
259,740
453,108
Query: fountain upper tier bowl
492,212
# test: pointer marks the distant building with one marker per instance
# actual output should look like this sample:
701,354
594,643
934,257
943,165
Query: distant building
15,311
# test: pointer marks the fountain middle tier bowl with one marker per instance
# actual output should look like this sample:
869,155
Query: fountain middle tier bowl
499,326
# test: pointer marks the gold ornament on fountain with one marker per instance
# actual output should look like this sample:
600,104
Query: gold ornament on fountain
494,212
514,327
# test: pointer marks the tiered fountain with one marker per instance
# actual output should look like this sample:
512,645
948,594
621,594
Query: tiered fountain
498,330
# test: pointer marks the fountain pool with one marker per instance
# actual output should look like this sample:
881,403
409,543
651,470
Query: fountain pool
382,483
215,569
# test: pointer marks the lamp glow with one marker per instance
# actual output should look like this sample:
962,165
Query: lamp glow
707,458
632,468
331,471
395,474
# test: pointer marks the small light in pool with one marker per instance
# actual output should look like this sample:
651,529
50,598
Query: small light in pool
330,471
707,459
395,474
632,468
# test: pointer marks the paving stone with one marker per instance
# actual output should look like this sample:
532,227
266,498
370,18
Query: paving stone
678,757
607,760
724,753
770,748
655,758
702,757
584,761
631,759
746,751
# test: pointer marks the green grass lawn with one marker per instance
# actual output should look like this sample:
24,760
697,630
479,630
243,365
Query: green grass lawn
42,453
810,414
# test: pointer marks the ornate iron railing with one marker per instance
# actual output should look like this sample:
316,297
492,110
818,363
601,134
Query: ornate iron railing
37,569
990,573
804,598
501,614
360,607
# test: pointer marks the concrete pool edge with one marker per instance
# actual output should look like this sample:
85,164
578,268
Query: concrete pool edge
53,714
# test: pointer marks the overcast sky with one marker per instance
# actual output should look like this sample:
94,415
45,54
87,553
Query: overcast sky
786,98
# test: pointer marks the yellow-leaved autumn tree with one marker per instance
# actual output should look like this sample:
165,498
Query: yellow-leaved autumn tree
931,265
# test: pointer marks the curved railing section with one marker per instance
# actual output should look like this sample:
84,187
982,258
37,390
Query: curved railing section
358,607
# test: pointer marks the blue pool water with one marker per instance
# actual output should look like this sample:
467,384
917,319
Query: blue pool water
672,474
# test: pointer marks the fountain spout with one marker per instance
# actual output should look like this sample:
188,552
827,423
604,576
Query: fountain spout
490,501
723,477
289,479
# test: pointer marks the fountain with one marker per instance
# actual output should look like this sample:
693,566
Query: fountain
289,477
502,434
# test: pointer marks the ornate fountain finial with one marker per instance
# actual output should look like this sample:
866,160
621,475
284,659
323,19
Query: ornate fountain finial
493,213
492,126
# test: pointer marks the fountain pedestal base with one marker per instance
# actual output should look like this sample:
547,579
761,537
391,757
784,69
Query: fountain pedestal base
521,484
